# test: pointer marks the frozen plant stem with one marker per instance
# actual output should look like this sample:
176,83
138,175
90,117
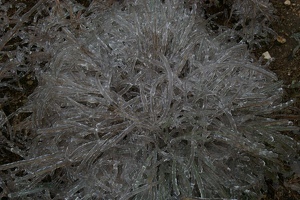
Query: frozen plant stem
9,35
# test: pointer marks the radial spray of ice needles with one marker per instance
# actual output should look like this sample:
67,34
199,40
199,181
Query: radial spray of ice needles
140,101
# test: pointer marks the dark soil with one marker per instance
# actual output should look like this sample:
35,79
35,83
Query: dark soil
287,67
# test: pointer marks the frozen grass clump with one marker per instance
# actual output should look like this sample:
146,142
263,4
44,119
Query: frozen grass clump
22,51
140,102
249,20
254,18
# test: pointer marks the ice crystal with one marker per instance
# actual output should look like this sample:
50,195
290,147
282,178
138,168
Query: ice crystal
140,101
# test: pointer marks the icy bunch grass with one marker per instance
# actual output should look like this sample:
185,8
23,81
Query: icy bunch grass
141,102
253,18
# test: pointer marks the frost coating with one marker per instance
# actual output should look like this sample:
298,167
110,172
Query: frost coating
143,103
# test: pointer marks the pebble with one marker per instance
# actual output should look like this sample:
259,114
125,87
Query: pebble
267,55
287,2
281,39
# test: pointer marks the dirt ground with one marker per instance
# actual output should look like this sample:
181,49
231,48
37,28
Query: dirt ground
286,65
